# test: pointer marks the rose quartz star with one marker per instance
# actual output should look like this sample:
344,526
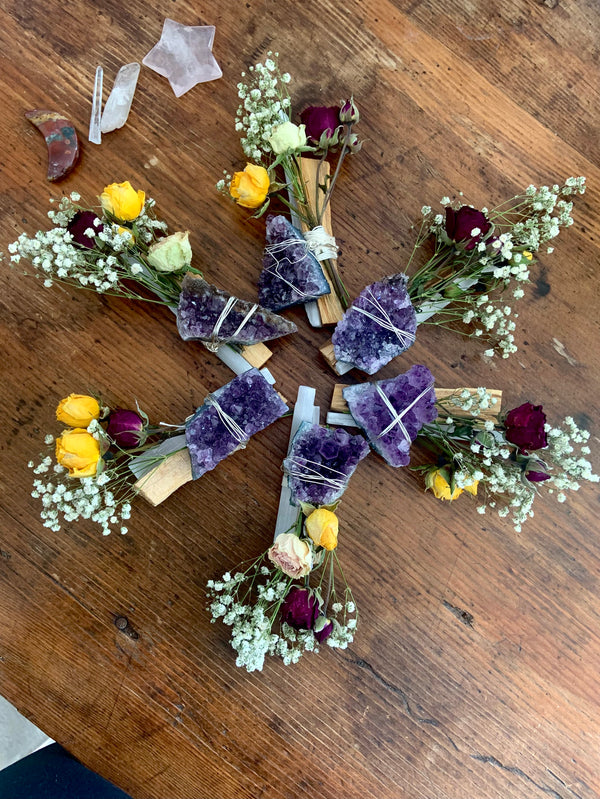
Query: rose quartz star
184,55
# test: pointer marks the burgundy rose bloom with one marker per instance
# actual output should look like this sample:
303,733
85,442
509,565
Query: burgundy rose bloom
525,427
82,221
318,119
460,225
124,428
324,633
300,608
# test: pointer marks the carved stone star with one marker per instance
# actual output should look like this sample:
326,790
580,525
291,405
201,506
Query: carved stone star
183,54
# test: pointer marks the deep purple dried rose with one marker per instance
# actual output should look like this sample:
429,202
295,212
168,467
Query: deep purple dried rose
124,427
318,119
461,224
300,608
524,427
82,221
325,631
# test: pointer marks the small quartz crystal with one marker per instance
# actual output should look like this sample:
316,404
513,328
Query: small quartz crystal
320,462
391,412
229,417
379,325
184,55
291,274
116,109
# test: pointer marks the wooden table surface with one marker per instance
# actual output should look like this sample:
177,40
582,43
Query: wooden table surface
499,701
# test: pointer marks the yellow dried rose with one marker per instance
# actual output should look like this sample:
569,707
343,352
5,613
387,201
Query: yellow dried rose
79,452
77,410
122,201
322,526
250,187
438,482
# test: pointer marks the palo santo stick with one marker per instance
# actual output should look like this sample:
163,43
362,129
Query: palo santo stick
330,307
167,477
256,354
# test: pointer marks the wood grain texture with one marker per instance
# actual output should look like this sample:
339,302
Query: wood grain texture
474,672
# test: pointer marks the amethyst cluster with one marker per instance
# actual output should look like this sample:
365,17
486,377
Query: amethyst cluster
201,305
246,405
387,327
291,274
412,398
320,462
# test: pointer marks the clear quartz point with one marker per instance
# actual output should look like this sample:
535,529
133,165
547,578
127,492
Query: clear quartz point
119,102
94,134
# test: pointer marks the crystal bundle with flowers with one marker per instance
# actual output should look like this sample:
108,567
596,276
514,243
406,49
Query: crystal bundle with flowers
285,602
271,140
506,463
89,477
482,258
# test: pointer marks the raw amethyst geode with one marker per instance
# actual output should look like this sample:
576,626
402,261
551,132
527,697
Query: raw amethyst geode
291,274
200,306
413,398
368,343
249,401
320,462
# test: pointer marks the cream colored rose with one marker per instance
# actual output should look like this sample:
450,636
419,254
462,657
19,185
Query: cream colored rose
287,137
171,254
292,555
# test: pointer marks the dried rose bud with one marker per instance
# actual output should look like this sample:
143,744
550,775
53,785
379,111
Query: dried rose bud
125,428
300,608
525,427
349,112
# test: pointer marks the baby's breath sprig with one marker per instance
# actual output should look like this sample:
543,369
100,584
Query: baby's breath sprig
482,259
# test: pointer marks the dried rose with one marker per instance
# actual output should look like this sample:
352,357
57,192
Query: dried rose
322,629
171,254
122,201
300,608
125,428
250,187
320,119
524,427
292,555
322,526
82,221
287,138
349,112
77,410
79,452
467,224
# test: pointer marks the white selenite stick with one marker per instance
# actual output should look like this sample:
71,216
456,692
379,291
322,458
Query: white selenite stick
304,411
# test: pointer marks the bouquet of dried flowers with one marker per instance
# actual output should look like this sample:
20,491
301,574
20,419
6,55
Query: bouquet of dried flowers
90,475
482,257
509,460
119,248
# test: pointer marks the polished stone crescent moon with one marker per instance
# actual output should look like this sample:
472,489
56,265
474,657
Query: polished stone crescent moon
61,141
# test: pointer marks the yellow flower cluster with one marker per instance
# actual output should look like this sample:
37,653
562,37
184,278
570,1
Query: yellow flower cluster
76,449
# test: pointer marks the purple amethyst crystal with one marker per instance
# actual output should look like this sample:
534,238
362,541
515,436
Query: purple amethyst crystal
412,398
380,324
320,462
228,417
291,274
201,306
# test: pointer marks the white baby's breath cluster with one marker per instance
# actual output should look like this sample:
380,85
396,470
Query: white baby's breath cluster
251,608
104,499
265,104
